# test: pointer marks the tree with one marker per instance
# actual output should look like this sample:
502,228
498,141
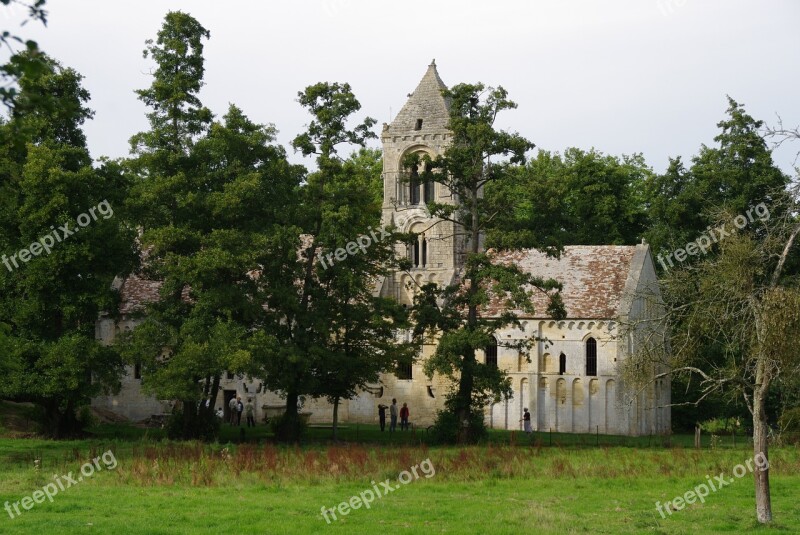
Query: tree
735,175
207,196
329,335
580,198
743,305
478,156
57,276
29,63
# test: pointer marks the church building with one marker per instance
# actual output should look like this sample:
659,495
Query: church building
571,381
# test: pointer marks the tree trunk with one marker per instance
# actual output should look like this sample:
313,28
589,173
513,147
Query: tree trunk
335,417
761,444
289,431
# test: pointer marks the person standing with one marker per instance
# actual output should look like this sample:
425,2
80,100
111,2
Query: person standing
526,421
239,410
404,417
232,407
382,415
393,415
250,411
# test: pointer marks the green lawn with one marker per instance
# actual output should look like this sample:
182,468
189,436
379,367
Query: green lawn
530,486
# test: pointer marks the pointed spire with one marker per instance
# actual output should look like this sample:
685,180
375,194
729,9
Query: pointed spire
427,109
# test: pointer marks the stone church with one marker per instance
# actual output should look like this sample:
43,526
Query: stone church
571,384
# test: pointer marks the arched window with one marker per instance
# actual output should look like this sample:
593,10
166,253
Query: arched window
562,364
424,251
427,191
415,253
491,353
413,186
591,356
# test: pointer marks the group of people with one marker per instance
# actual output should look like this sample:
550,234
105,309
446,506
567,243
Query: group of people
393,413
237,408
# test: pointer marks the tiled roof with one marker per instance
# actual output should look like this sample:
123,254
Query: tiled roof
136,293
593,277
426,103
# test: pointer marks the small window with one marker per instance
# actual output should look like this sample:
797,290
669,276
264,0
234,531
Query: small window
229,375
418,126
562,364
491,353
404,372
137,371
415,254
591,356
424,252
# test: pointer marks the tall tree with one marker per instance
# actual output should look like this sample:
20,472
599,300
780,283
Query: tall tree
735,318
478,156
329,334
56,276
29,63
208,195
735,175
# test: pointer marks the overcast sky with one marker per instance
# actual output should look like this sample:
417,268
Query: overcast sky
622,76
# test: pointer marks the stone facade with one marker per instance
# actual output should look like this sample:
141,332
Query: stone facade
570,383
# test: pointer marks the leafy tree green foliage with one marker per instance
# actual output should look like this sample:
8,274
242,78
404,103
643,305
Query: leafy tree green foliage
478,156
28,63
207,196
731,177
580,198
327,334
51,303
734,175
736,318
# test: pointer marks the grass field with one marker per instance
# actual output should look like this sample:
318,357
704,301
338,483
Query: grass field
509,485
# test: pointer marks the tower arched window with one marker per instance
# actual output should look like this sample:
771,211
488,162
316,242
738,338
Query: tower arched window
428,187
424,251
415,253
491,353
562,364
413,186
591,356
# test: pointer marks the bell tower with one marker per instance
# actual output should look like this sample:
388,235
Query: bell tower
419,128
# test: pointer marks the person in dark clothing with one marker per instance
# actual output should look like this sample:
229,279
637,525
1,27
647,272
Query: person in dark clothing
239,410
404,417
382,415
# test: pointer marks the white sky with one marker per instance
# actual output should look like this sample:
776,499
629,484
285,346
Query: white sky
622,76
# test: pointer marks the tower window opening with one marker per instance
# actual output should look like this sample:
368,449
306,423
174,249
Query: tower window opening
427,187
418,126
413,185
424,252
415,254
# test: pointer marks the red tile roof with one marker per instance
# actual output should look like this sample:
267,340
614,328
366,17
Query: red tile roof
593,278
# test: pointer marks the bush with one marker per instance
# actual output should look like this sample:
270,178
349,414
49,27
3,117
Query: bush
193,427
288,429
447,426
